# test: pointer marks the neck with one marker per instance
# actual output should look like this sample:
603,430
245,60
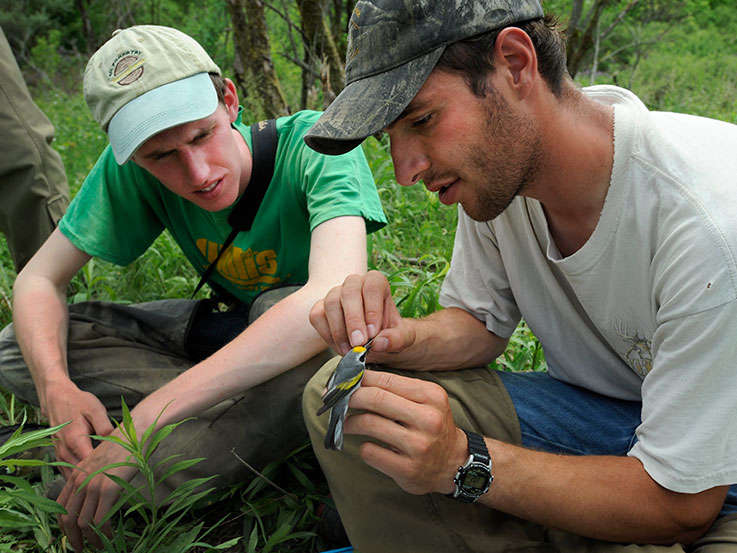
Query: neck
578,140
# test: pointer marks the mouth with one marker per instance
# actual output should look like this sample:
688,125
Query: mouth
439,188
444,191
209,188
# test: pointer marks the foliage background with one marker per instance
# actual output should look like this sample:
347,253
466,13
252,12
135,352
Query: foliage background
676,55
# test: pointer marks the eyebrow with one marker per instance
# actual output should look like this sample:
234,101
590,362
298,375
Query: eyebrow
154,154
160,152
414,105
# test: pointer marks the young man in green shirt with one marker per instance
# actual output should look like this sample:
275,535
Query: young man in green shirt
179,159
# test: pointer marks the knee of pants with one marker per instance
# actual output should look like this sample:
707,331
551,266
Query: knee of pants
312,400
268,299
14,374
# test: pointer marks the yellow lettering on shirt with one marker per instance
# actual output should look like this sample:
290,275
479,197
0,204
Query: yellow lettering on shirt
246,269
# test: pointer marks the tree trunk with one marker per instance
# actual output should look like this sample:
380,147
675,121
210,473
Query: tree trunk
581,36
89,35
254,52
321,49
585,35
340,14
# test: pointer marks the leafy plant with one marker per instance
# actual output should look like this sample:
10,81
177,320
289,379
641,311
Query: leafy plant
416,288
20,442
162,527
13,412
23,508
524,352
7,278
276,520
29,515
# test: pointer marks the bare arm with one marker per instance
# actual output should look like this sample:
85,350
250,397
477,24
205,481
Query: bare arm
609,498
41,320
603,497
40,312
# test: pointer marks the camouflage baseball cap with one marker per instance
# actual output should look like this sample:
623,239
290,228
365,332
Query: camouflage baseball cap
146,79
393,46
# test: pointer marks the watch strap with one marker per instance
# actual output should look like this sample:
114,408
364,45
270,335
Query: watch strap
479,455
477,446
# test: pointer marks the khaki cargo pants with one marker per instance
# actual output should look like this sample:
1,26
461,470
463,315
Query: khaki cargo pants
33,184
129,351
381,518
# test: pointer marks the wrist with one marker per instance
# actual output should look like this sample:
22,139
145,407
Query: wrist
457,455
50,389
473,477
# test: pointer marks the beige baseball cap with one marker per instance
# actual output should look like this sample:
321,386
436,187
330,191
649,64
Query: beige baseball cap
147,79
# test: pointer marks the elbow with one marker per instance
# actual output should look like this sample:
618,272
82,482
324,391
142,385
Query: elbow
19,280
687,532
19,286
693,515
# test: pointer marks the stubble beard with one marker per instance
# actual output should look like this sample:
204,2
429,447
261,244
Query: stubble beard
508,159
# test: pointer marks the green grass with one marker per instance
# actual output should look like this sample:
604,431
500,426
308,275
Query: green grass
26,516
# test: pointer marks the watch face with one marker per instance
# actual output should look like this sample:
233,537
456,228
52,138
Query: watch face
475,479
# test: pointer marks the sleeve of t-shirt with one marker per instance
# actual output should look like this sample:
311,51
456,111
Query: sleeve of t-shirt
334,186
687,441
476,281
339,186
109,218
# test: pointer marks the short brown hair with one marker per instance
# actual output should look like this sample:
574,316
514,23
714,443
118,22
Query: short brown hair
219,84
473,58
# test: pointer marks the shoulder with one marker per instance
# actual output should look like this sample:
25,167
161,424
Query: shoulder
297,124
679,172
106,171
293,148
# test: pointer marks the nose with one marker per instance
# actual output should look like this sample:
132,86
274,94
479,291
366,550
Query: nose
410,161
195,166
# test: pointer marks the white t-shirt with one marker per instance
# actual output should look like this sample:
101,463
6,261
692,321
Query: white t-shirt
646,309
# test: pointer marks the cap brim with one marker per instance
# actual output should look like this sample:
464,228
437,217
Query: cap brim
159,109
368,105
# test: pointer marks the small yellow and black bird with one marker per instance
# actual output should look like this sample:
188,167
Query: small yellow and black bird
345,380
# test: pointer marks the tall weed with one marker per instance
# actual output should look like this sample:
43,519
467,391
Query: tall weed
162,526
26,516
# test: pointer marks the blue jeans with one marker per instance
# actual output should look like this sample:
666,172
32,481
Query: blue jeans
565,419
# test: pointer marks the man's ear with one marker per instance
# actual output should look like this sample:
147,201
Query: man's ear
517,59
231,99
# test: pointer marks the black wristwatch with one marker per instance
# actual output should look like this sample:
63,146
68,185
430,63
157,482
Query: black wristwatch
474,477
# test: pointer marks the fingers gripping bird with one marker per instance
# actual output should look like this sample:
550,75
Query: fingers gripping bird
345,380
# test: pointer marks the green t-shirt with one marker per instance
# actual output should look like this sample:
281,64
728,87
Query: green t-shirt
120,210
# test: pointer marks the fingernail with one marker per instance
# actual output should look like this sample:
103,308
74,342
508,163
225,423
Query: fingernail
357,338
371,330
381,344
344,348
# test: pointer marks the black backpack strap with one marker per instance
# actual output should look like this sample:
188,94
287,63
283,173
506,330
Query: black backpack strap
264,141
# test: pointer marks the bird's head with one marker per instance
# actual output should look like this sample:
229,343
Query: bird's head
360,352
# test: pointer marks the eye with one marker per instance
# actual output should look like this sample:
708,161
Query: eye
161,156
201,137
422,121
